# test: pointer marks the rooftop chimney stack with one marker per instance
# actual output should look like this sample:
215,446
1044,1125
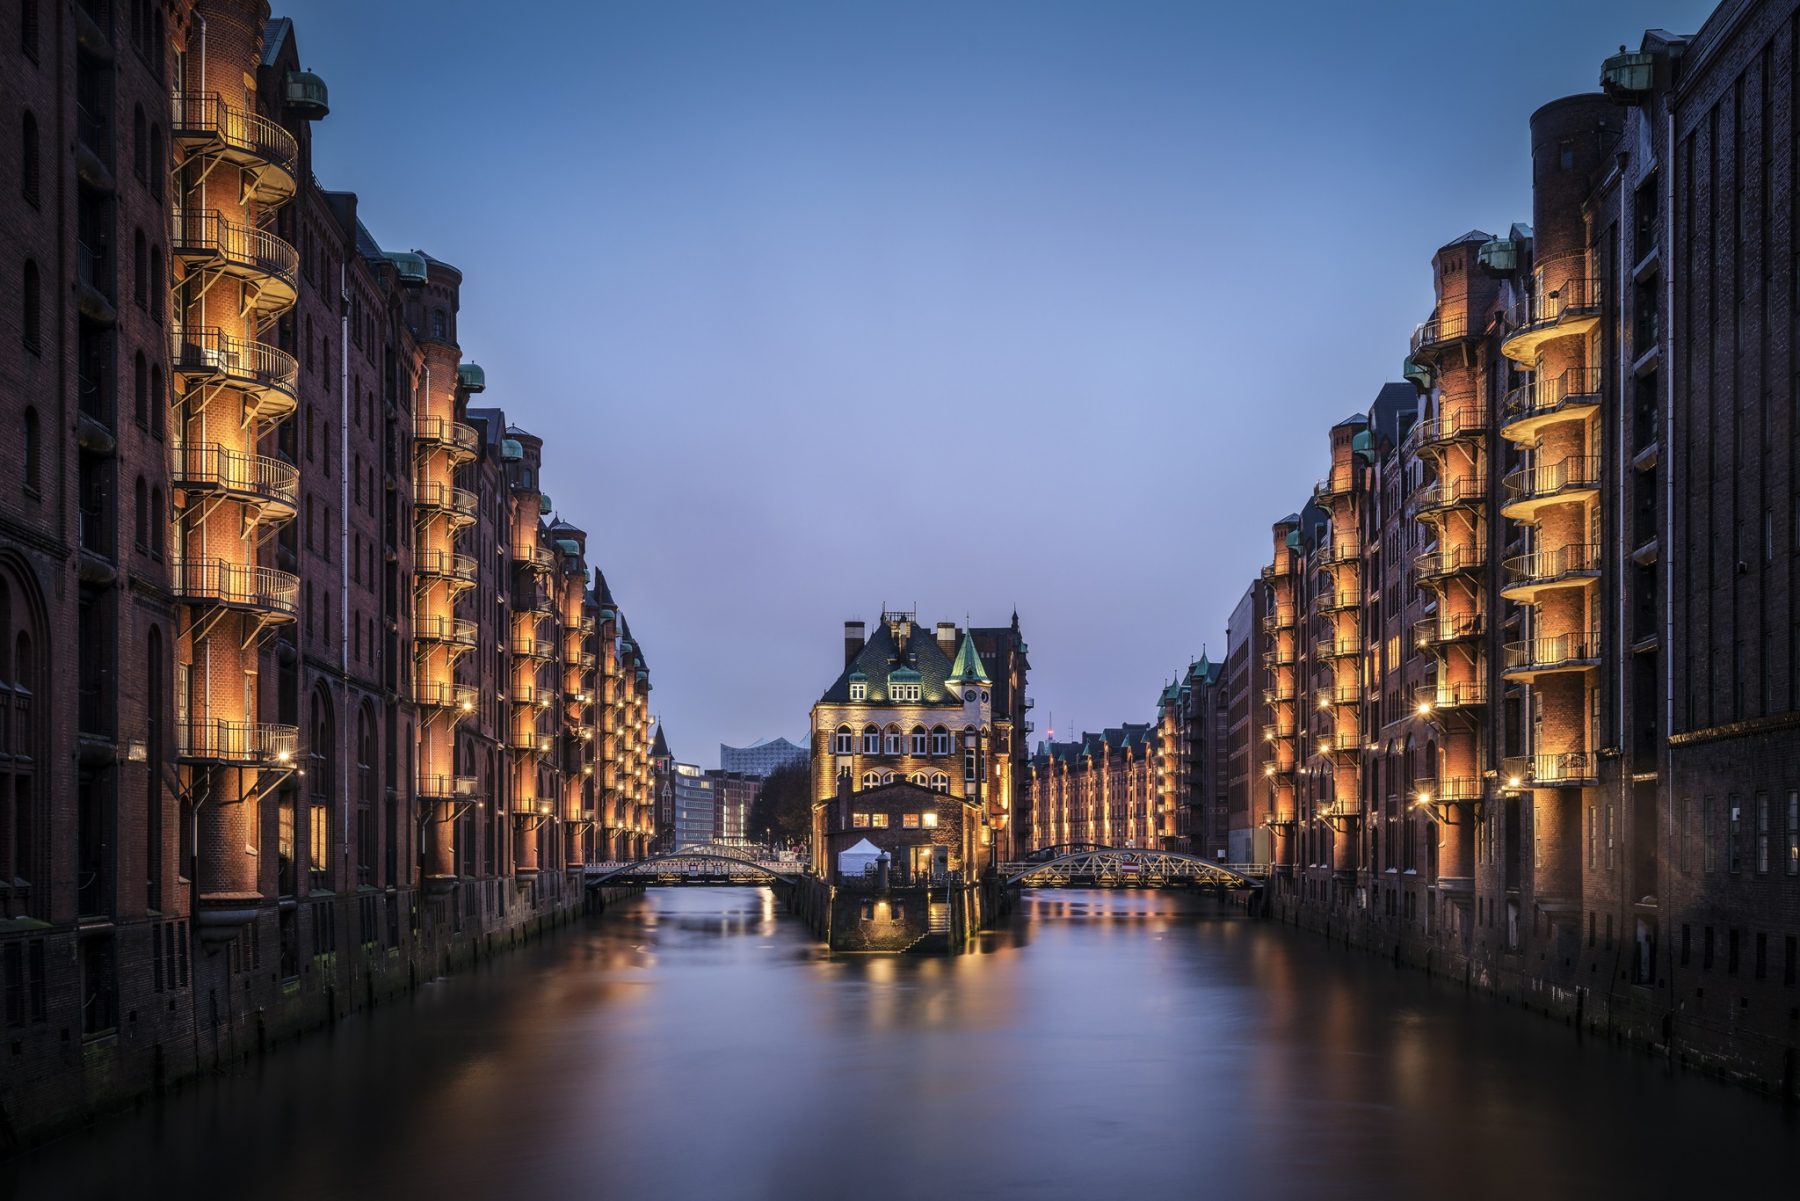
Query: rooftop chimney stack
946,637
853,641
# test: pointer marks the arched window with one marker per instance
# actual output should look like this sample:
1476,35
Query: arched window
887,777
32,323
140,390
940,740
893,740
159,162
871,741
159,403
159,522
920,778
21,691
140,497
440,324
365,797
156,282
29,158
34,449
323,778
843,742
140,149
155,729
940,782
918,740
140,270
871,779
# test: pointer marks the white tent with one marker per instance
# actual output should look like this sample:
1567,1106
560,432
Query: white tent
858,859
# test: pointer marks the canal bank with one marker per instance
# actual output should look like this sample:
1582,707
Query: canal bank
700,1042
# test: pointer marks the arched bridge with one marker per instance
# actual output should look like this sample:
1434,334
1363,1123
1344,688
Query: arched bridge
704,864
1124,867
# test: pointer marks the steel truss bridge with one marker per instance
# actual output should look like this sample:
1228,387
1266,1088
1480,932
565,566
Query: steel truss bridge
707,864
1124,867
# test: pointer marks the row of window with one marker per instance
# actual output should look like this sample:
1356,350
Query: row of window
908,821
892,741
937,781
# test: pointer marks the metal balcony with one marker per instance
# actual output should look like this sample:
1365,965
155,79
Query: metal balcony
1450,790
1572,395
1565,768
1568,308
1339,601
1528,489
1453,695
266,591
533,648
203,240
1572,652
269,483
1340,481
1343,550
524,741
450,631
204,126
1444,564
460,441
1443,630
267,377
448,788
1280,656
459,505
1466,422
1441,496
1281,694
1565,567
1339,648
537,558
236,743
526,692
445,565
1278,618
441,694
1339,697
1438,334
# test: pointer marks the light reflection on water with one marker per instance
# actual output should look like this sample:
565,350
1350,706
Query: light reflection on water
696,1043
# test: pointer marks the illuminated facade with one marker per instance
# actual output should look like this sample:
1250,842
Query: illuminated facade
309,603
1532,677
929,707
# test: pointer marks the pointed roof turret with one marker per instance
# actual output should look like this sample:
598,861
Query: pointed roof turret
967,668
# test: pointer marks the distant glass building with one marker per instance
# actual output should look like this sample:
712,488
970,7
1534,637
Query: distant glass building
694,805
761,757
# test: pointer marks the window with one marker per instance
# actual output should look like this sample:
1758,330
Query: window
140,270
930,819
893,740
940,783
940,741
969,765
140,390
1762,833
1793,834
859,820
140,148
871,741
909,821
918,740
903,692
32,324
29,158
878,820
1734,851
159,522
871,779
859,690
157,401
156,283
34,449
140,496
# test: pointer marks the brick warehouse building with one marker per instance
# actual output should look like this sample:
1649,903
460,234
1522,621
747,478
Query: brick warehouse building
1532,708
338,703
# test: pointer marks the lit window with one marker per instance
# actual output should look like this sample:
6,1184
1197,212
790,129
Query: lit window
878,820
871,779
887,777
844,742
918,740
859,691
930,819
859,820
894,740
940,783
940,741
909,821
871,741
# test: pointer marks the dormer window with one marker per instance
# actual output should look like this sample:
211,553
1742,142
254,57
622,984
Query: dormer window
859,690
904,692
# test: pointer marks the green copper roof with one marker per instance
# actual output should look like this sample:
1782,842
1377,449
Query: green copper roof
1364,444
904,675
968,663
511,450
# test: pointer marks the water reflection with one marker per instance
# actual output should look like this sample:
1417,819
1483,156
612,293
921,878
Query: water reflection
698,1044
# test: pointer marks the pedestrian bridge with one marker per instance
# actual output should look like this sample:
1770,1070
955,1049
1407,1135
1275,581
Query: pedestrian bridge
1125,867
706,864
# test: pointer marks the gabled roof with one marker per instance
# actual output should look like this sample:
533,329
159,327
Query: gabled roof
968,668
881,656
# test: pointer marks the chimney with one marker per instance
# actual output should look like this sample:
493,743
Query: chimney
946,637
853,641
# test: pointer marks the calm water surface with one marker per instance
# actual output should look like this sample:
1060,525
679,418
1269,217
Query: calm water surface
696,1044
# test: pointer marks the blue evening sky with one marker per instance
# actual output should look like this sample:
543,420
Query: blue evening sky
956,306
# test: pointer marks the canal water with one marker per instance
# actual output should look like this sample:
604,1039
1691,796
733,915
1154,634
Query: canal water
697,1044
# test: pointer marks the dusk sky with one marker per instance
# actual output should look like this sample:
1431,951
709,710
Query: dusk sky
962,307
